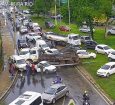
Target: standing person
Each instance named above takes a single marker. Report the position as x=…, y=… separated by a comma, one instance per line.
x=33, y=68
x=28, y=69
x=12, y=69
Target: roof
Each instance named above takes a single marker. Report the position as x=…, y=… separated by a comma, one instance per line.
x=102, y=45
x=57, y=85
x=16, y=57
x=110, y=63
x=43, y=62
x=25, y=49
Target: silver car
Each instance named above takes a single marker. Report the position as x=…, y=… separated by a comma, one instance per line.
x=54, y=92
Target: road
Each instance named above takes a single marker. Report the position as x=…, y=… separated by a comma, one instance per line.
x=75, y=82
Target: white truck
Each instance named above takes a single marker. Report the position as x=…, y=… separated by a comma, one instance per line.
x=73, y=39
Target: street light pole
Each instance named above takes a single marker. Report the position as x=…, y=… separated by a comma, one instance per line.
x=55, y=13
x=69, y=11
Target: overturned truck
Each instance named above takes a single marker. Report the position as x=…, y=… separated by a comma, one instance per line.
x=68, y=57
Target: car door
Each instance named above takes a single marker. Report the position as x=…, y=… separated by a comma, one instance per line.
x=100, y=49
x=60, y=92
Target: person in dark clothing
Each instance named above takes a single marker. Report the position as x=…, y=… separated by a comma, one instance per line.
x=33, y=68
x=28, y=69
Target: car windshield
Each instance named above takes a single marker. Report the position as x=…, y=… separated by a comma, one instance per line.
x=105, y=67
x=84, y=53
x=107, y=48
x=87, y=38
x=32, y=51
x=44, y=45
x=21, y=61
x=33, y=35
x=76, y=37
x=24, y=52
x=113, y=53
x=46, y=64
x=50, y=91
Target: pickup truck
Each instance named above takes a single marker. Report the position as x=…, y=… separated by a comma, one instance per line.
x=72, y=39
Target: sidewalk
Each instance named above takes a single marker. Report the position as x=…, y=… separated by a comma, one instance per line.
x=8, y=50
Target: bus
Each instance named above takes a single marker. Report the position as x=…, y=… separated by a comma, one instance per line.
x=28, y=98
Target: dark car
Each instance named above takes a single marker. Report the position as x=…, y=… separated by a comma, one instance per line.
x=22, y=44
x=90, y=44
x=65, y=28
x=49, y=24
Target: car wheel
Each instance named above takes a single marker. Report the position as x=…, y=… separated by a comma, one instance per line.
x=53, y=101
x=109, y=33
x=67, y=93
x=107, y=75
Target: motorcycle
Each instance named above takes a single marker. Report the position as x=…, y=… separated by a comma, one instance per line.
x=86, y=102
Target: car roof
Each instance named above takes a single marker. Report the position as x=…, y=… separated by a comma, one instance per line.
x=110, y=63
x=43, y=62
x=16, y=57
x=57, y=85
x=25, y=49
x=53, y=49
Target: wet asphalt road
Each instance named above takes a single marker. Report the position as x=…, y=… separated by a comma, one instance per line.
x=71, y=78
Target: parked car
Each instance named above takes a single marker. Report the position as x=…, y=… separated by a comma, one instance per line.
x=65, y=28
x=90, y=44
x=85, y=38
x=32, y=37
x=85, y=54
x=111, y=31
x=85, y=29
x=22, y=43
x=106, y=70
x=111, y=56
x=103, y=49
x=49, y=24
x=47, y=67
x=54, y=92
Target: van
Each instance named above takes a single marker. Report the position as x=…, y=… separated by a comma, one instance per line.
x=28, y=98
x=42, y=45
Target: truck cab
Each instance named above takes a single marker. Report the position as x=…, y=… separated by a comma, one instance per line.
x=74, y=39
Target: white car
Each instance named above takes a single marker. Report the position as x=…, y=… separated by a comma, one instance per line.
x=34, y=55
x=46, y=67
x=103, y=49
x=33, y=36
x=85, y=29
x=19, y=62
x=106, y=70
x=23, y=30
x=24, y=53
x=111, y=55
x=111, y=31
x=85, y=54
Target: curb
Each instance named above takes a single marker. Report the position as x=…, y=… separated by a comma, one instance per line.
x=7, y=90
x=95, y=85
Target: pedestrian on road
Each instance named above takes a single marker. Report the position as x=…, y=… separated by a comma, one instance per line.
x=12, y=69
x=33, y=68
x=28, y=69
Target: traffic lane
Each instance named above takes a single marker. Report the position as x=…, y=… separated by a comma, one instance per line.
x=32, y=83
x=77, y=85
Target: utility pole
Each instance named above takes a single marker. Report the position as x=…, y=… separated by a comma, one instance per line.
x=14, y=27
x=55, y=13
x=69, y=11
